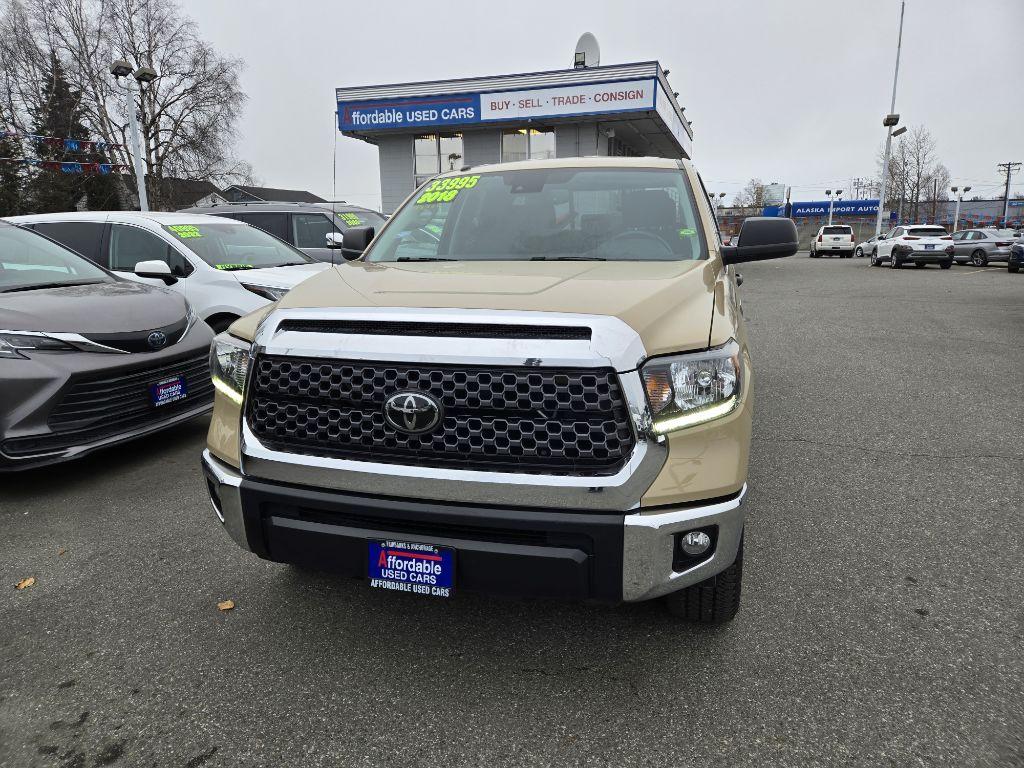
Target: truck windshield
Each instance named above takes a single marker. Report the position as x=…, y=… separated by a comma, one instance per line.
x=232, y=245
x=589, y=214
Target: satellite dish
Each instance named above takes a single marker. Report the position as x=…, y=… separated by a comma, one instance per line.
x=588, y=52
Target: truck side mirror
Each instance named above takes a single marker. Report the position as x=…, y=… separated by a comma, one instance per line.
x=334, y=239
x=355, y=241
x=156, y=269
x=763, y=237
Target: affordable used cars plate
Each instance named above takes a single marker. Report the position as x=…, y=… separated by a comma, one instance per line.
x=404, y=566
x=168, y=390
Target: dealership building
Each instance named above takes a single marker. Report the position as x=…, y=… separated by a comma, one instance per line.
x=426, y=128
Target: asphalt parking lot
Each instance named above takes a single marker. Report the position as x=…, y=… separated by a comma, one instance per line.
x=882, y=622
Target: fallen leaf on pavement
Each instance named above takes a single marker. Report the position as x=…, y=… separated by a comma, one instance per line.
x=61, y=551
x=223, y=605
x=25, y=583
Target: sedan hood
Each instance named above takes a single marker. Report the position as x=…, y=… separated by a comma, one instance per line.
x=280, y=277
x=119, y=307
x=669, y=304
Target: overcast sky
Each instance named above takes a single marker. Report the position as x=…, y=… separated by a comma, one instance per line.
x=785, y=90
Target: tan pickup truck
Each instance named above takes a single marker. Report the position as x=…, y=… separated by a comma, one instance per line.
x=533, y=380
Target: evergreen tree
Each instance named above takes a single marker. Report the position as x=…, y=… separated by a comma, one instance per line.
x=60, y=116
x=12, y=177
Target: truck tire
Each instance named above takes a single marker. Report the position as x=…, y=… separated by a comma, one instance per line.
x=712, y=601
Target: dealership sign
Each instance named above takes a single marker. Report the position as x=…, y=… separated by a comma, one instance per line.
x=460, y=109
x=820, y=208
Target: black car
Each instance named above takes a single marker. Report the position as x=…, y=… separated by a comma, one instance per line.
x=1016, y=258
x=315, y=229
x=88, y=359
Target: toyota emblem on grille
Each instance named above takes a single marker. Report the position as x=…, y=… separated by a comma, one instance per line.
x=157, y=340
x=412, y=412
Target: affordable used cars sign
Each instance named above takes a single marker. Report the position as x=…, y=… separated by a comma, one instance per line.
x=409, y=113
x=460, y=109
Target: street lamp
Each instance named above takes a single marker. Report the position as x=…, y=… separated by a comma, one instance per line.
x=121, y=70
x=959, y=196
x=890, y=120
x=838, y=196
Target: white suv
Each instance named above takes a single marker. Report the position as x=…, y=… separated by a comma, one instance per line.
x=917, y=244
x=224, y=268
x=833, y=239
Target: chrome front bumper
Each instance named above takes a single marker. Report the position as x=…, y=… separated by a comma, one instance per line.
x=648, y=537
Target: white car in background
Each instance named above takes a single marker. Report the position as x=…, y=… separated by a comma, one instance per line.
x=865, y=248
x=224, y=268
x=917, y=244
x=833, y=239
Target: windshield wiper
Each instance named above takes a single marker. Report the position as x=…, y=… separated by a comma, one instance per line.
x=568, y=258
x=38, y=286
x=422, y=258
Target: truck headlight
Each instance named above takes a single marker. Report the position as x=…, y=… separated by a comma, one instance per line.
x=229, y=364
x=686, y=390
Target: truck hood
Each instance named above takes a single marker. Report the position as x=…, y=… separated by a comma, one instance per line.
x=117, y=307
x=669, y=304
x=280, y=277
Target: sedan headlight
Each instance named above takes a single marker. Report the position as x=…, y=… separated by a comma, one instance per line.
x=686, y=390
x=266, y=291
x=229, y=364
x=14, y=343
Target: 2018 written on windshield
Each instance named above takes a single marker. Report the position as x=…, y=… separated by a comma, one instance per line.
x=446, y=190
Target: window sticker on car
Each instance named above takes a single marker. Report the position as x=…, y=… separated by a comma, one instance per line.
x=350, y=219
x=185, y=230
x=446, y=190
x=687, y=232
x=233, y=266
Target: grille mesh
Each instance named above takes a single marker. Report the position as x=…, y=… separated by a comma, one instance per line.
x=522, y=419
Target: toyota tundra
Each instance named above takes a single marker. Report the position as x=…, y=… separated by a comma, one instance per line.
x=533, y=380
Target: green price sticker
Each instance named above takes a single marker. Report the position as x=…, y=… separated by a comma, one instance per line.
x=185, y=230
x=687, y=232
x=234, y=266
x=446, y=190
x=350, y=219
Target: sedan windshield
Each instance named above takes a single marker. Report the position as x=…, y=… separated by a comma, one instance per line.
x=232, y=245
x=542, y=214
x=29, y=261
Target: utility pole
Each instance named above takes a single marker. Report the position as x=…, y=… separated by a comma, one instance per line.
x=1008, y=169
x=890, y=120
x=935, y=199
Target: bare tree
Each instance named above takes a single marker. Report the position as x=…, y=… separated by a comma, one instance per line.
x=751, y=196
x=915, y=173
x=188, y=115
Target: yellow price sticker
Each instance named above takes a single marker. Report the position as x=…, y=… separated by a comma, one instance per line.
x=185, y=230
x=447, y=189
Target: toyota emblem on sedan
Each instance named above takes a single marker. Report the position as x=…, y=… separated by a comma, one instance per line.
x=412, y=412
x=157, y=340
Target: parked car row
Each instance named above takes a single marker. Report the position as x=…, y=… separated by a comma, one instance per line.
x=106, y=317
x=922, y=244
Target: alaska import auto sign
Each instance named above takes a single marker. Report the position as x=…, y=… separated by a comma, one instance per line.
x=839, y=208
x=461, y=109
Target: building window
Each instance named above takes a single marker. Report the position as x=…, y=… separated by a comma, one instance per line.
x=437, y=153
x=527, y=144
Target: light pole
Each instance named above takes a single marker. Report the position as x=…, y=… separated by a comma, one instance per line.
x=959, y=196
x=121, y=70
x=890, y=121
x=828, y=193
x=903, y=179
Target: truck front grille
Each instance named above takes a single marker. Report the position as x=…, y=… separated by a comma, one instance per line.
x=535, y=420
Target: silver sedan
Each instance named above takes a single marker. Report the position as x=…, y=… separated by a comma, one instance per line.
x=981, y=246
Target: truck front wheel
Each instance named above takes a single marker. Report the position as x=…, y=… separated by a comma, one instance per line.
x=712, y=601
